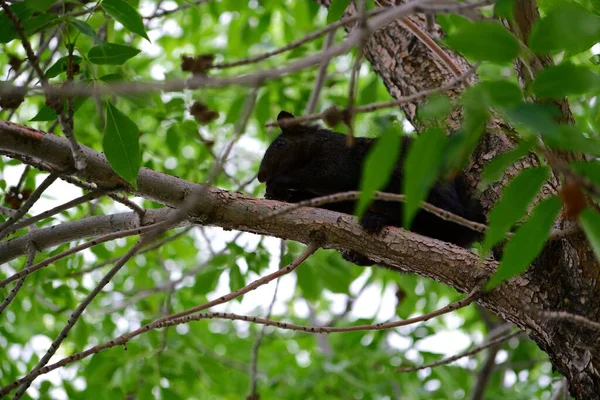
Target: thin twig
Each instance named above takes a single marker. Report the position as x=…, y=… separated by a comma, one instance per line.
x=310, y=249
x=150, y=247
x=252, y=79
x=116, y=197
x=46, y=214
x=31, y=252
x=261, y=333
x=166, y=322
x=76, y=314
x=571, y=317
x=378, y=106
x=77, y=152
x=28, y=204
x=353, y=195
x=83, y=246
x=474, y=350
x=320, y=79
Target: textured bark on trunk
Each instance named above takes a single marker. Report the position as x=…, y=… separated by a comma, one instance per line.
x=566, y=276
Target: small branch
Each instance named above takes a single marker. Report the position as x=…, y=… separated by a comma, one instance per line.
x=562, y=391
x=261, y=333
x=30, y=258
x=378, y=106
x=320, y=79
x=571, y=317
x=159, y=13
x=190, y=202
x=331, y=28
x=116, y=197
x=4, y=228
x=167, y=322
x=471, y=352
x=83, y=246
x=353, y=195
x=76, y=314
x=77, y=153
x=46, y=214
x=485, y=373
x=310, y=249
x=252, y=79
x=150, y=247
x=432, y=46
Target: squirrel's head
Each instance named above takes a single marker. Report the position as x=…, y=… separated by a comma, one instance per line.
x=288, y=151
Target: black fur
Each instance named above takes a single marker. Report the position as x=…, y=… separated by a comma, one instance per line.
x=307, y=161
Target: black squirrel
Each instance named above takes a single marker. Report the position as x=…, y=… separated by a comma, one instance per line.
x=307, y=161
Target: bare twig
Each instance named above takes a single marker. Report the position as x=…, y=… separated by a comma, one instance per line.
x=30, y=258
x=116, y=197
x=46, y=214
x=76, y=314
x=252, y=79
x=378, y=106
x=78, y=156
x=571, y=317
x=86, y=245
x=167, y=321
x=261, y=333
x=353, y=195
x=4, y=228
x=320, y=79
x=150, y=247
x=161, y=321
x=474, y=350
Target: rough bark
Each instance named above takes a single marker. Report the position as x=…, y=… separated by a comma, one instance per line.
x=565, y=276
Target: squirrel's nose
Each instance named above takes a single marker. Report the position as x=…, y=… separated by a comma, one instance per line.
x=261, y=176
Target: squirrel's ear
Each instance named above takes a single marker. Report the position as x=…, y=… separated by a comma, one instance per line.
x=284, y=115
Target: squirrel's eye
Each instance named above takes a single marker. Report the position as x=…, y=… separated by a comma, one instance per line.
x=278, y=143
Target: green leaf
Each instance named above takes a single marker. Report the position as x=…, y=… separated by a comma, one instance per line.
x=47, y=113
x=121, y=144
x=421, y=170
x=475, y=42
x=377, y=168
x=32, y=25
x=60, y=66
x=368, y=94
x=527, y=242
x=539, y=118
x=173, y=139
x=495, y=169
x=40, y=5
x=128, y=16
x=309, y=282
x=513, y=204
x=569, y=137
x=236, y=279
x=336, y=10
x=206, y=281
x=7, y=30
x=85, y=29
x=504, y=8
x=435, y=107
x=111, y=54
x=568, y=26
x=559, y=81
x=590, y=223
x=463, y=142
x=501, y=93
x=589, y=169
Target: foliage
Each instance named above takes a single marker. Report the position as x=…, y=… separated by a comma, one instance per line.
x=116, y=42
